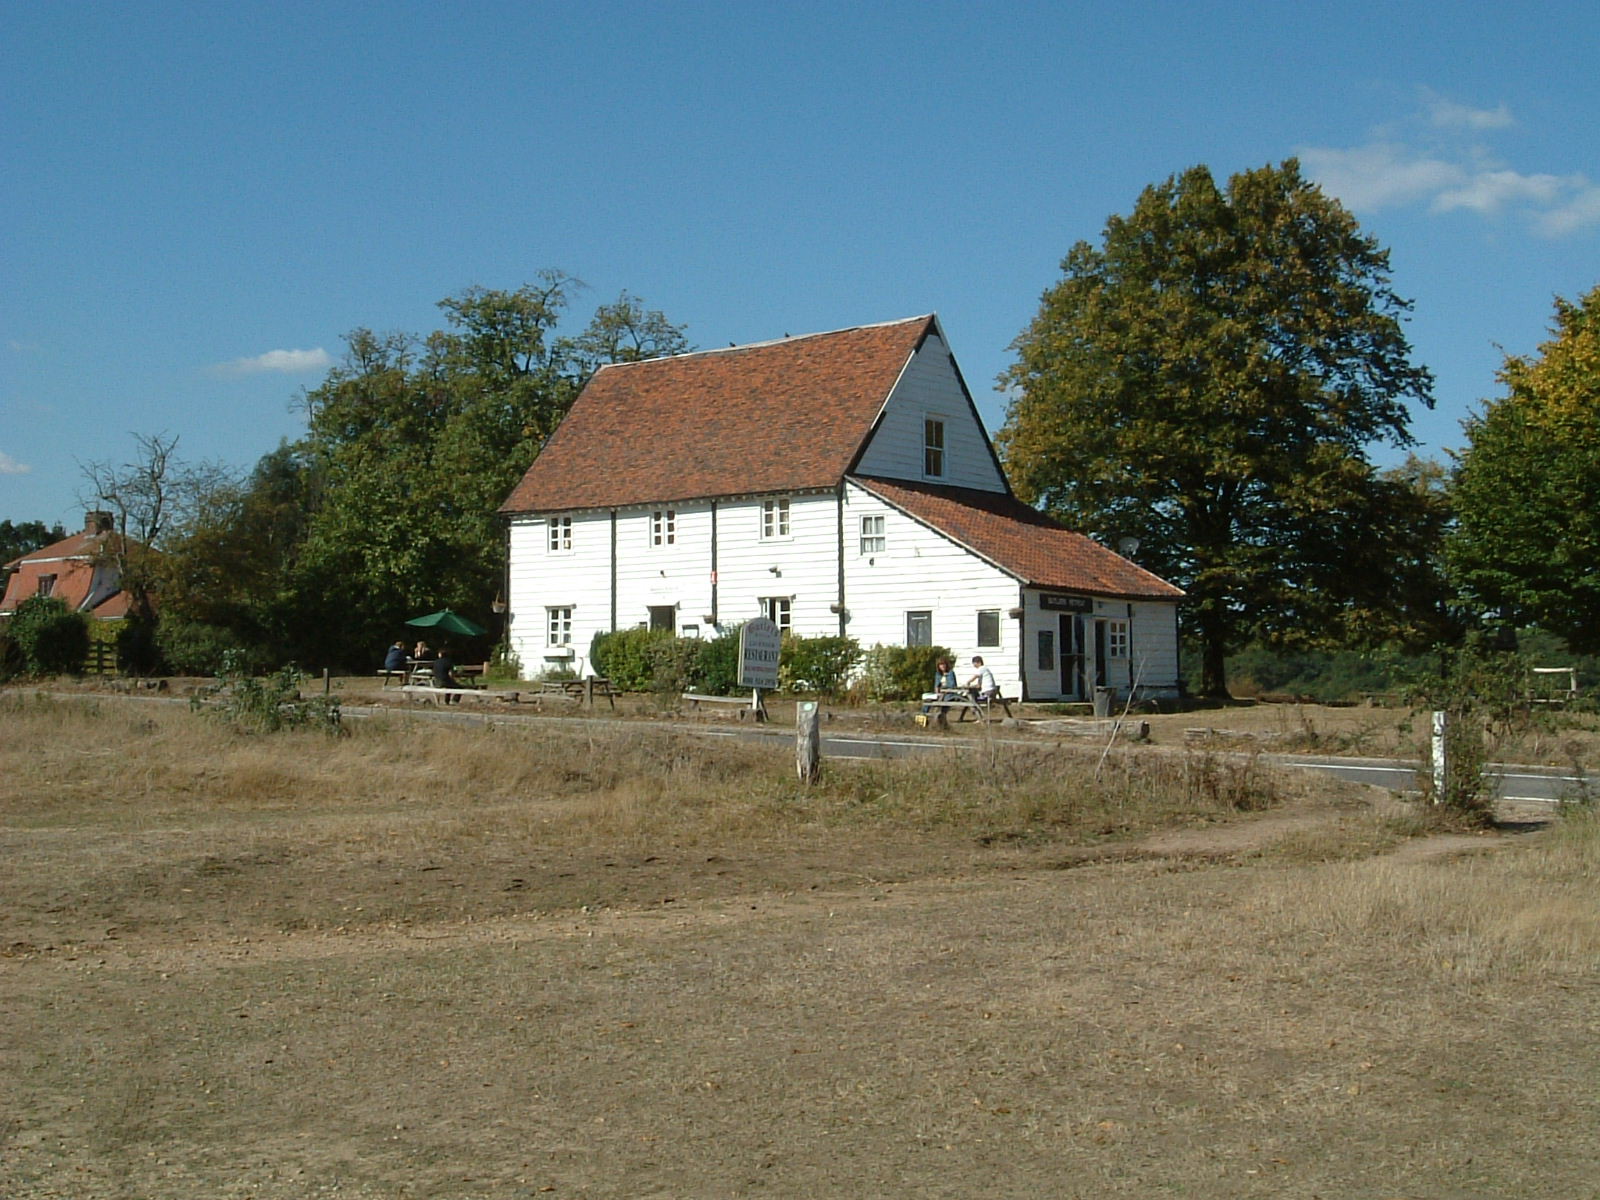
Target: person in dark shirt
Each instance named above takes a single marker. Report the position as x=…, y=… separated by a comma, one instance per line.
x=444, y=674
x=395, y=658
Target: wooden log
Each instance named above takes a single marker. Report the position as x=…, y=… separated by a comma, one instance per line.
x=807, y=742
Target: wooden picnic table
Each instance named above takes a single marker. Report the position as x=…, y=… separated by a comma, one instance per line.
x=579, y=691
x=963, y=703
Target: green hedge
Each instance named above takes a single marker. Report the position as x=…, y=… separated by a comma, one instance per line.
x=900, y=672
x=52, y=639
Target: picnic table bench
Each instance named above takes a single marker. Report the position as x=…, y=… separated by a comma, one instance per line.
x=980, y=709
x=428, y=691
x=578, y=691
x=745, y=704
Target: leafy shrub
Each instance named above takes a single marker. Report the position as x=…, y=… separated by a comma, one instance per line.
x=504, y=664
x=624, y=657
x=200, y=648
x=900, y=672
x=11, y=661
x=819, y=664
x=718, y=662
x=137, y=652
x=674, y=665
x=266, y=705
x=52, y=638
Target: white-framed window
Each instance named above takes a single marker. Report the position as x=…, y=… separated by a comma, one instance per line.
x=919, y=628
x=560, y=534
x=780, y=611
x=989, y=627
x=47, y=585
x=663, y=527
x=775, y=518
x=933, y=447
x=873, y=538
x=1116, y=639
x=559, y=625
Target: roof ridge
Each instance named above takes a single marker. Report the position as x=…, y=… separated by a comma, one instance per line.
x=786, y=340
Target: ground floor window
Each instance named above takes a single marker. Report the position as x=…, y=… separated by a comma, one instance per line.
x=919, y=628
x=780, y=611
x=559, y=628
x=1047, y=650
x=989, y=627
x=664, y=616
x=1117, y=639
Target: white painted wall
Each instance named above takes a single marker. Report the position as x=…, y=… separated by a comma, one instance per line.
x=931, y=387
x=920, y=570
x=917, y=570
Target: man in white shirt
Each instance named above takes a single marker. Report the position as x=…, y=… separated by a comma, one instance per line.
x=982, y=684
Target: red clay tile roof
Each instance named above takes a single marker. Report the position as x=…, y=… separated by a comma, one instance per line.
x=772, y=417
x=1022, y=540
x=72, y=562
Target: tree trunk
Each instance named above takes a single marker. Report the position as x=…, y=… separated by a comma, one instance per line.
x=1213, y=661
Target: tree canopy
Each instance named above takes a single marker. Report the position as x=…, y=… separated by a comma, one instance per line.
x=1526, y=545
x=1208, y=378
x=388, y=506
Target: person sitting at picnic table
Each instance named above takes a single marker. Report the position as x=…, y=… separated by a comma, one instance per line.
x=395, y=658
x=982, y=687
x=420, y=652
x=444, y=674
x=945, y=686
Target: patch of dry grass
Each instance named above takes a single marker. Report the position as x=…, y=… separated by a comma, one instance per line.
x=441, y=962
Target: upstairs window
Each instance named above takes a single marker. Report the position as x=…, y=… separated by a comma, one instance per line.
x=663, y=527
x=560, y=534
x=933, y=448
x=775, y=518
x=873, y=539
x=47, y=585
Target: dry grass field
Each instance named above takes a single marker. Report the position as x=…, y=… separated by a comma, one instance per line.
x=563, y=960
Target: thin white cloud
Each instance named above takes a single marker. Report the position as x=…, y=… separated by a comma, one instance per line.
x=1448, y=114
x=285, y=362
x=1493, y=191
x=10, y=466
x=1445, y=166
x=1380, y=175
x=1579, y=212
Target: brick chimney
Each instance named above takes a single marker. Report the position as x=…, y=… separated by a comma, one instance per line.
x=96, y=521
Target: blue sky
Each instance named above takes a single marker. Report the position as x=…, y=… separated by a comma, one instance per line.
x=199, y=200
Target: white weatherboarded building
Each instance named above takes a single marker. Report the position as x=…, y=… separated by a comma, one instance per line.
x=838, y=483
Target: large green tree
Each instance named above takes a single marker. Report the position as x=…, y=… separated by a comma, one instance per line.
x=1527, y=488
x=1209, y=378
x=416, y=443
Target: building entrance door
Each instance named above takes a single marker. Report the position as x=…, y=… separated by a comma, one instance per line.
x=1074, y=684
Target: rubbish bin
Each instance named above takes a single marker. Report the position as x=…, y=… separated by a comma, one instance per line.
x=1104, y=698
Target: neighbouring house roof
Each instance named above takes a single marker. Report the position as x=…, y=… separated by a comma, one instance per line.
x=781, y=416
x=72, y=562
x=1021, y=540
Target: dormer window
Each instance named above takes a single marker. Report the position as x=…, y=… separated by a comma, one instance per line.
x=47, y=585
x=933, y=448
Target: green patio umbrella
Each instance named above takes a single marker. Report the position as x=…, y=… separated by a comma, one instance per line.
x=449, y=622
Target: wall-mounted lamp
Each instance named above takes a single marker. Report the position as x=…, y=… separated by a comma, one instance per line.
x=1015, y=612
x=775, y=570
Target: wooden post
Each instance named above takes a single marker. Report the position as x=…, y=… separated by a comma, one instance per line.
x=755, y=704
x=807, y=742
x=1441, y=725
x=588, y=691
x=327, y=682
